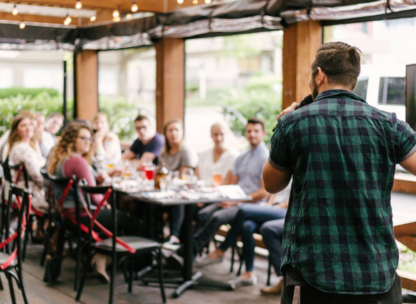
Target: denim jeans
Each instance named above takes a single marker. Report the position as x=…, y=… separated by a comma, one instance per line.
x=248, y=221
x=272, y=233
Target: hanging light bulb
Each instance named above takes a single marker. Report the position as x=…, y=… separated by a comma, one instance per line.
x=116, y=14
x=207, y=1
x=93, y=18
x=129, y=16
x=134, y=6
x=180, y=1
x=116, y=19
x=15, y=11
x=78, y=4
x=22, y=24
x=195, y=1
x=67, y=20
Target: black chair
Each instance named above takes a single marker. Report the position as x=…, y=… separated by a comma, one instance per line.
x=123, y=246
x=69, y=183
x=49, y=196
x=11, y=264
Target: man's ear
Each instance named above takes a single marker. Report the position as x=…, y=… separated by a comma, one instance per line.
x=320, y=77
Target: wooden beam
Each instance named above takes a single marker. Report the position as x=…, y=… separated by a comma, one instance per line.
x=408, y=280
x=300, y=42
x=36, y=19
x=170, y=81
x=86, y=84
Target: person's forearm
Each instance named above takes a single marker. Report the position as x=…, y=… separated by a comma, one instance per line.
x=258, y=195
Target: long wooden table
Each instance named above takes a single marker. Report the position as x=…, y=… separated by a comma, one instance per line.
x=189, y=279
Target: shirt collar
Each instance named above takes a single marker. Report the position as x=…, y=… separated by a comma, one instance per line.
x=257, y=149
x=338, y=94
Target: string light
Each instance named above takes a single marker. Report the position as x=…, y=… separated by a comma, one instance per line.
x=128, y=16
x=116, y=14
x=134, y=6
x=207, y=1
x=67, y=20
x=93, y=18
x=180, y=1
x=195, y=1
x=15, y=11
x=116, y=19
x=78, y=4
x=22, y=24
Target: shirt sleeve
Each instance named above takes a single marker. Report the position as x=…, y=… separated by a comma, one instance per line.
x=236, y=165
x=405, y=141
x=279, y=156
x=158, y=145
x=135, y=147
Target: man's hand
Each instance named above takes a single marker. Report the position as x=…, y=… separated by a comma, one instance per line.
x=287, y=110
x=226, y=205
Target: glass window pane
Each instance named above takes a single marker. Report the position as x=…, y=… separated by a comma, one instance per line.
x=361, y=88
x=396, y=87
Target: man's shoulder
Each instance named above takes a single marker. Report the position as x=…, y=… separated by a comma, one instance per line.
x=159, y=138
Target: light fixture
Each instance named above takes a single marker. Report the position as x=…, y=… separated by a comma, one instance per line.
x=116, y=14
x=116, y=19
x=128, y=16
x=180, y=1
x=67, y=20
x=195, y=1
x=93, y=18
x=134, y=6
x=207, y=1
x=22, y=24
x=15, y=11
x=78, y=4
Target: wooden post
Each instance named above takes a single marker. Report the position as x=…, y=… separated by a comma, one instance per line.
x=170, y=81
x=300, y=42
x=86, y=82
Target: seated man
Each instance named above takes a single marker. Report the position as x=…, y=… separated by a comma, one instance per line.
x=247, y=174
x=147, y=146
x=45, y=139
x=54, y=123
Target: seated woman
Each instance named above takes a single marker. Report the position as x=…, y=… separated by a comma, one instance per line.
x=218, y=162
x=23, y=148
x=176, y=156
x=106, y=144
x=249, y=220
x=72, y=156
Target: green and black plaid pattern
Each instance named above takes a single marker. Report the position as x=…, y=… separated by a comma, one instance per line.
x=342, y=153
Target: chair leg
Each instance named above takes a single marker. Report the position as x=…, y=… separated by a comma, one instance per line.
x=77, y=265
x=269, y=273
x=130, y=288
x=232, y=258
x=240, y=254
x=12, y=295
x=113, y=276
x=19, y=281
x=1, y=285
x=26, y=237
x=160, y=266
x=84, y=275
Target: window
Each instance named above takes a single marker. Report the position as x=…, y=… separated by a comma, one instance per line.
x=391, y=91
x=43, y=77
x=361, y=88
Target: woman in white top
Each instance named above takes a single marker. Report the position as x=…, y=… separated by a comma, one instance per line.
x=106, y=144
x=218, y=160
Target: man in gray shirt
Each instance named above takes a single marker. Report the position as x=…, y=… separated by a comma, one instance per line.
x=247, y=174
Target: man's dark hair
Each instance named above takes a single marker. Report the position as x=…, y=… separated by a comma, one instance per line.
x=255, y=121
x=56, y=114
x=141, y=117
x=340, y=62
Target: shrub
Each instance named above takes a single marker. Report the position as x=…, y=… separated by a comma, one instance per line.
x=26, y=92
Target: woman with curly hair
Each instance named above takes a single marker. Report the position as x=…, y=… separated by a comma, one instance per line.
x=73, y=156
x=24, y=149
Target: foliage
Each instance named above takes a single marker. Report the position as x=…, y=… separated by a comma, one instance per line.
x=407, y=261
x=121, y=115
x=241, y=46
x=44, y=103
x=26, y=92
x=191, y=87
x=263, y=103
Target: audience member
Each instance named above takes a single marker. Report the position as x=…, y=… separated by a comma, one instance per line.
x=23, y=148
x=176, y=156
x=147, y=146
x=45, y=139
x=54, y=123
x=106, y=144
x=247, y=174
x=73, y=156
x=217, y=162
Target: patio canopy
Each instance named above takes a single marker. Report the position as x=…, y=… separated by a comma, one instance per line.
x=223, y=18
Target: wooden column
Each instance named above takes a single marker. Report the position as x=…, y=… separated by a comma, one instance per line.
x=170, y=81
x=300, y=42
x=86, y=82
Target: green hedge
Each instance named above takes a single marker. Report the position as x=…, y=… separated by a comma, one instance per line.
x=27, y=92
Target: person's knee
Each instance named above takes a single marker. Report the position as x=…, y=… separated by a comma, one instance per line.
x=249, y=227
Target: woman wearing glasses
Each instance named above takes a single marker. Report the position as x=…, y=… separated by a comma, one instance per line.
x=73, y=156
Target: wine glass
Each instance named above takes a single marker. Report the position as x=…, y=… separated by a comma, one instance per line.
x=187, y=174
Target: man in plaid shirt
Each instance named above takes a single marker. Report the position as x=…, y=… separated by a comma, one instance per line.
x=338, y=242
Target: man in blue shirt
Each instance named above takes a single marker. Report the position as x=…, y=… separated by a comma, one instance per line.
x=247, y=174
x=148, y=145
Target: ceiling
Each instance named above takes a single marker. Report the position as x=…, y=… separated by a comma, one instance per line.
x=55, y=11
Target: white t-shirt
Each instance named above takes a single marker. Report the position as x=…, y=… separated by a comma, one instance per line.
x=223, y=165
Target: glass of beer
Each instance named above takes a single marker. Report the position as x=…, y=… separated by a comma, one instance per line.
x=216, y=179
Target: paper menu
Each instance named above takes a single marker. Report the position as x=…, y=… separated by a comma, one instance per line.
x=232, y=192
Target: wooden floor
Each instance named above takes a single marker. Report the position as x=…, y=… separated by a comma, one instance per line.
x=94, y=292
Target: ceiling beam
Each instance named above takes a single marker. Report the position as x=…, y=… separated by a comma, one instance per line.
x=37, y=19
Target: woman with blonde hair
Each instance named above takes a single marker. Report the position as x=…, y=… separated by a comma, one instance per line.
x=106, y=144
x=176, y=156
x=73, y=156
x=24, y=149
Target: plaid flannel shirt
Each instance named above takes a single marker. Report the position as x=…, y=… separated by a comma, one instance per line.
x=342, y=153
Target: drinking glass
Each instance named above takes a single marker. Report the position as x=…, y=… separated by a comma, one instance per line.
x=150, y=172
x=216, y=179
x=187, y=174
